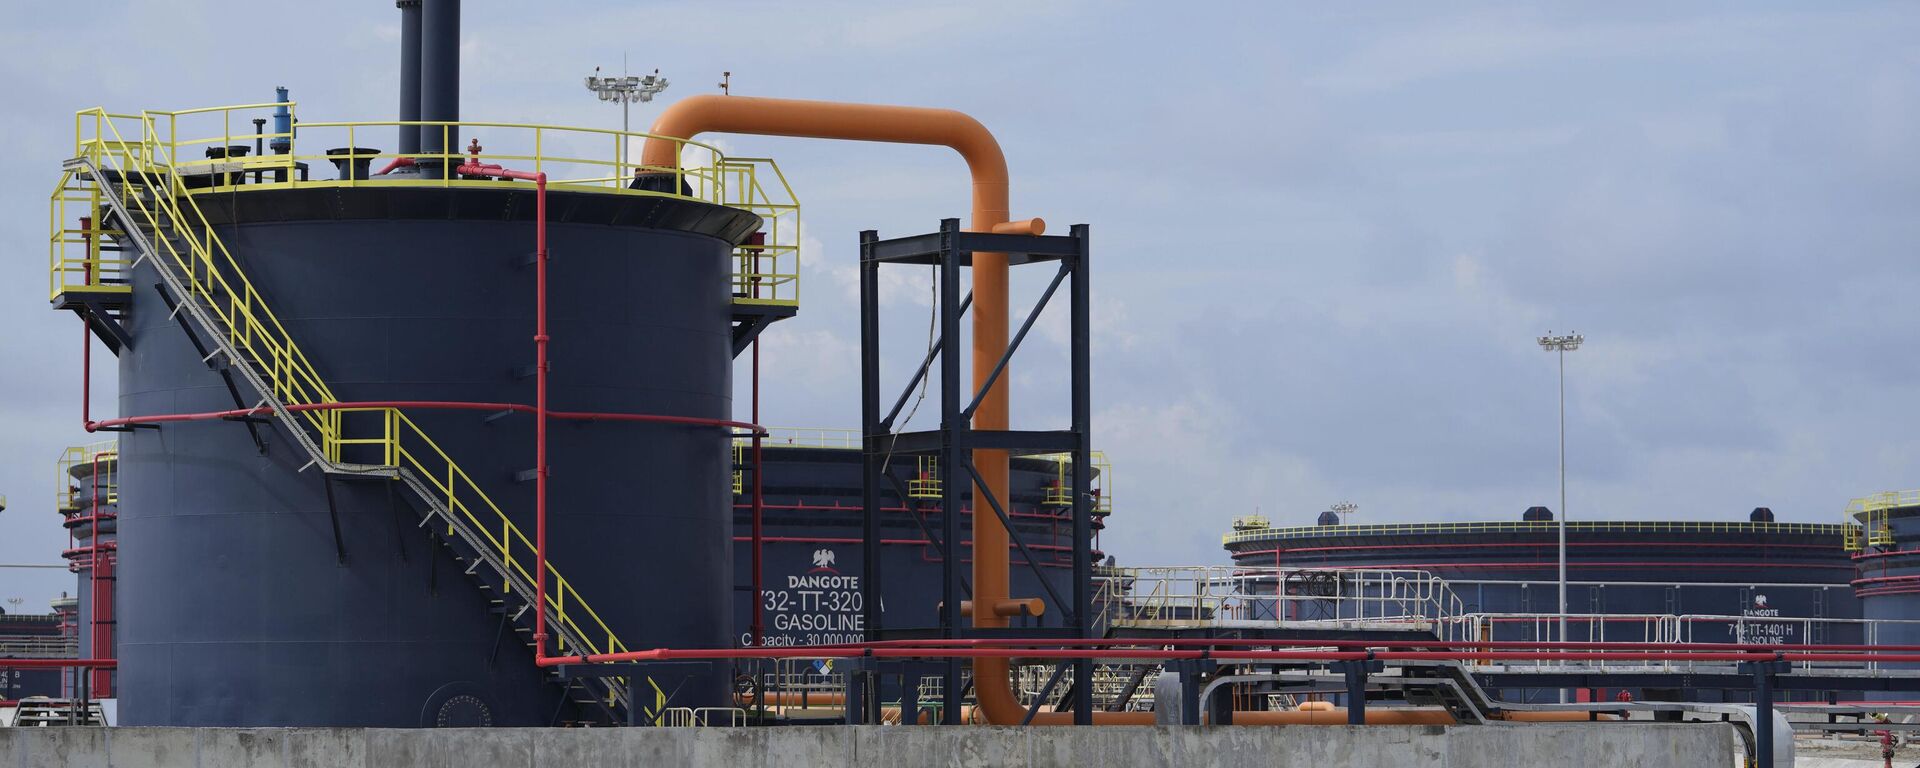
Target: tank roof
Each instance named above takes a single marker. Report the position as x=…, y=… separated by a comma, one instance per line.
x=1532, y=527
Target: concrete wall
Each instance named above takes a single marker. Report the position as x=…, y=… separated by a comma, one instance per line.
x=1641, y=745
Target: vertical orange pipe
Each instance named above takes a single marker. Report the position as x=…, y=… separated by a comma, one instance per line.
x=693, y=116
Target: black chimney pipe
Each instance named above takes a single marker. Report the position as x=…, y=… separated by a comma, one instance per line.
x=409, y=141
x=439, y=82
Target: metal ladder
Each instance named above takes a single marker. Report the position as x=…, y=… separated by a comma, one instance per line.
x=157, y=230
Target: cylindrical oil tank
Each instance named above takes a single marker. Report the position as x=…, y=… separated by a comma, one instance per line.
x=92, y=500
x=261, y=594
x=1752, y=581
x=811, y=556
x=1887, y=579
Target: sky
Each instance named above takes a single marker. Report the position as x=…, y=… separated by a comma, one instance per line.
x=1324, y=237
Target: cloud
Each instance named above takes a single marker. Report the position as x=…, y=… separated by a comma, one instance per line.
x=1324, y=239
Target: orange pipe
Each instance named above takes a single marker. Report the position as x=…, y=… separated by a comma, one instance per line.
x=695, y=115
x=1028, y=606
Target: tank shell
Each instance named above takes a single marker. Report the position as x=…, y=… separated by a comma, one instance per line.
x=812, y=567
x=239, y=610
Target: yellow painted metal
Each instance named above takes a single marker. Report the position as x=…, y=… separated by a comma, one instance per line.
x=1060, y=490
x=926, y=479
x=766, y=273
x=1868, y=521
x=183, y=235
x=805, y=437
x=1528, y=526
x=739, y=474
x=68, y=496
x=76, y=262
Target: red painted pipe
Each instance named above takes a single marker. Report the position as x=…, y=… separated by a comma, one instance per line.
x=398, y=162
x=759, y=507
x=474, y=167
x=425, y=405
x=59, y=663
x=1485, y=645
x=665, y=654
x=96, y=562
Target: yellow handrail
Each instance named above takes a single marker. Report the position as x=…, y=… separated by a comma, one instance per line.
x=68, y=495
x=1868, y=521
x=1060, y=491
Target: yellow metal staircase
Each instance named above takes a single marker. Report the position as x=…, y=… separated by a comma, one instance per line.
x=140, y=202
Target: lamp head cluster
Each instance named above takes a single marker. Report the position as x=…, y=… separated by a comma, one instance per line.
x=1565, y=343
x=626, y=89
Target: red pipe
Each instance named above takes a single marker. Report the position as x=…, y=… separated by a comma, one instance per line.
x=96, y=561
x=759, y=505
x=425, y=404
x=59, y=663
x=398, y=162
x=473, y=167
x=665, y=654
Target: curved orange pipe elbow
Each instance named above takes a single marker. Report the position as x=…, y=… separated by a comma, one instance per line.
x=695, y=115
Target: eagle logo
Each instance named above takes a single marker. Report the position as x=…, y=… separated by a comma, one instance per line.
x=823, y=558
x=1759, y=601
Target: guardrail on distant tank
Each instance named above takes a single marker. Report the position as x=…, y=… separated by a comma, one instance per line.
x=1223, y=596
x=1529, y=526
x=1868, y=520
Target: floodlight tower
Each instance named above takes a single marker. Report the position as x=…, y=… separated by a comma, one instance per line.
x=1562, y=345
x=626, y=90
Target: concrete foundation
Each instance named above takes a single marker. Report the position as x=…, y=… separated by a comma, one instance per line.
x=1642, y=745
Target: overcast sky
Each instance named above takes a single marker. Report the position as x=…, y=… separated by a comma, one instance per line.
x=1324, y=240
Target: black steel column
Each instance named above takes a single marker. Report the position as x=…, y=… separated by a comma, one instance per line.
x=871, y=442
x=409, y=135
x=439, y=82
x=1082, y=477
x=952, y=423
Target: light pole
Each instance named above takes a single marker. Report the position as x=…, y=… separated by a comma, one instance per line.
x=626, y=90
x=1562, y=345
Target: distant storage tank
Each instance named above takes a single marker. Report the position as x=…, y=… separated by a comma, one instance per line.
x=1884, y=539
x=812, y=556
x=89, y=500
x=1756, y=582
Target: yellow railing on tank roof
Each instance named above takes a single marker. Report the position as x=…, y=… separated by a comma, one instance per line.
x=1529, y=526
x=1060, y=490
x=68, y=496
x=765, y=270
x=1868, y=521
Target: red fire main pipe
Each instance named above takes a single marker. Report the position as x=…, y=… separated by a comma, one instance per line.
x=666, y=654
x=473, y=167
x=95, y=562
x=759, y=506
x=59, y=663
x=167, y=418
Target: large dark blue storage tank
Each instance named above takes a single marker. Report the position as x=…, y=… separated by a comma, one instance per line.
x=238, y=608
x=812, y=563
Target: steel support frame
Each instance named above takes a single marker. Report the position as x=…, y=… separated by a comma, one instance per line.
x=949, y=251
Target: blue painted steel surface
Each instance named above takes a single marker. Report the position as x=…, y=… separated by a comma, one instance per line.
x=812, y=585
x=236, y=611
